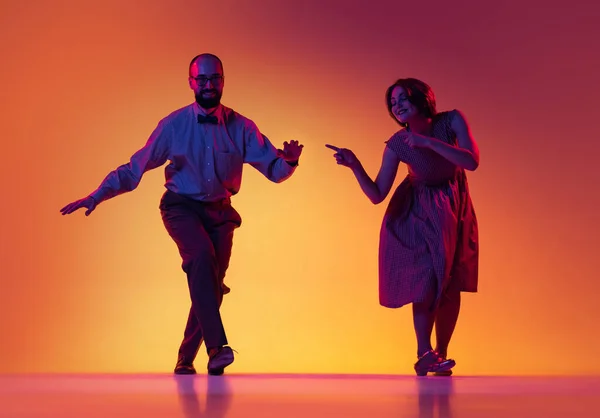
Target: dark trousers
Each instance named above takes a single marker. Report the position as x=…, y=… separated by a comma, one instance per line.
x=203, y=233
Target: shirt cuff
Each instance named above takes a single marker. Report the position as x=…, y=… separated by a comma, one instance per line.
x=98, y=195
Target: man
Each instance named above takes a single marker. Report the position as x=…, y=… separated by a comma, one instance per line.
x=206, y=144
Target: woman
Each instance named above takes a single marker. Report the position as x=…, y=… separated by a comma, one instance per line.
x=429, y=249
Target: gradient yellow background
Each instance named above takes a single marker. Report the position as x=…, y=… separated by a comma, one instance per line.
x=85, y=82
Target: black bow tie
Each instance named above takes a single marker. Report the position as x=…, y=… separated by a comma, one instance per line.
x=208, y=119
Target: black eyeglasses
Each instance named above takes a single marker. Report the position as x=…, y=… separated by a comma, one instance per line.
x=214, y=79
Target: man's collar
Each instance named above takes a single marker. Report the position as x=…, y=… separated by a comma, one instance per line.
x=218, y=112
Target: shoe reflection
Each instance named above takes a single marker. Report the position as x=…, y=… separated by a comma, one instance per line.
x=204, y=396
x=435, y=393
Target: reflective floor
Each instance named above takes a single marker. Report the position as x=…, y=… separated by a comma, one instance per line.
x=235, y=396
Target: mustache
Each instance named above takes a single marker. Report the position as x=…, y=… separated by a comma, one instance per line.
x=208, y=91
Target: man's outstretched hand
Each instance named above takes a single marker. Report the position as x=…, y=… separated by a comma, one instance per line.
x=87, y=202
x=291, y=151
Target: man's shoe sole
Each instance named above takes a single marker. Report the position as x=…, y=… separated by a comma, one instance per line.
x=184, y=370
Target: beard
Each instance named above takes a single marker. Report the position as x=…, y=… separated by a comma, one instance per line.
x=208, y=102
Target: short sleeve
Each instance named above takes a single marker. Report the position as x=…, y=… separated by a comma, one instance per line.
x=397, y=144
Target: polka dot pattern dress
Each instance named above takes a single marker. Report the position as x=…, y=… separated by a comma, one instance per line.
x=429, y=235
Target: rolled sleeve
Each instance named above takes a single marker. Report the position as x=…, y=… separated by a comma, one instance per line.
x=262, y=155
x=127, y=177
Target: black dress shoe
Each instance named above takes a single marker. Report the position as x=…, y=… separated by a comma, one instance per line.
x=184, y=366
x=218, y=359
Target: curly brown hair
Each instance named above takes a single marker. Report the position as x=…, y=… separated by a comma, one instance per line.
x=418, y=93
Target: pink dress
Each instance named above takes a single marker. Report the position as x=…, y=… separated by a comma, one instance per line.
x=429, y=235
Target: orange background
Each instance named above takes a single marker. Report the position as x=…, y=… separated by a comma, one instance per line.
x=84, y=83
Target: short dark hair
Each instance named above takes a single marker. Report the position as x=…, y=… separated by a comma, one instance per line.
x=204, y=55
x=418, y=93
